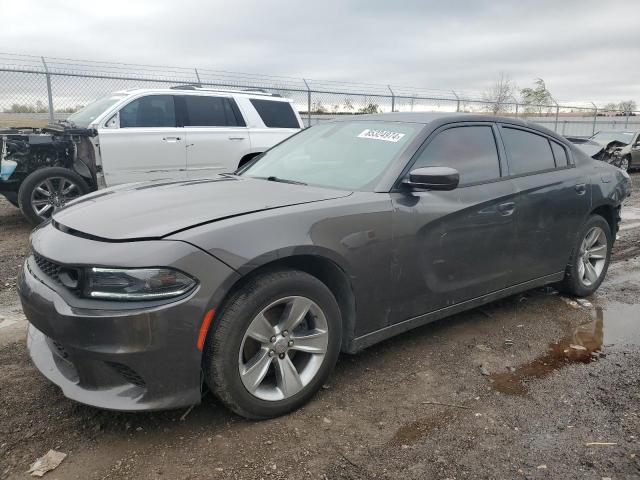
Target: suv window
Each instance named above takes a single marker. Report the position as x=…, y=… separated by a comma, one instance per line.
x=276, y=114
x=150, y=111
x=560, y=154
x=527, y=152
x=470, y=150
x=212, y=112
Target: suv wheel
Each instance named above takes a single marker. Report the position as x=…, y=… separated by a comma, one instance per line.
x=47, y=190
x=275, y=343
x=590, y=258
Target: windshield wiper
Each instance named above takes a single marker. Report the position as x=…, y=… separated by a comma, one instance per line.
x=284, y=180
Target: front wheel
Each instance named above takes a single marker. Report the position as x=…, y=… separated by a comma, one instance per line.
x=590, y=258
x=47, y=190
x=275, y=343
x=625, y=163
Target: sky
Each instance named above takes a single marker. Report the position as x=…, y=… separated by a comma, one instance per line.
x=584, y=50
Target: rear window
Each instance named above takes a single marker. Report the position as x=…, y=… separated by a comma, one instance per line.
x=276, y=114
x=560, y=154
x=211, y=112
x=527, y=152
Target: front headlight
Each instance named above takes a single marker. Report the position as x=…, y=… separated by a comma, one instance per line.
x=135, y=283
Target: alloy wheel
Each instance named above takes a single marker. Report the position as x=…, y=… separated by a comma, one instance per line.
x=624, y=164
x=592, y=256
x=283, y=348
x=52, y=194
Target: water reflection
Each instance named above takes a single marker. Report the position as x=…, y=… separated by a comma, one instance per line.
x=618, y=325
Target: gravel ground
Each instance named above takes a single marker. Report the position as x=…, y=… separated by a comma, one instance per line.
x=556, y=377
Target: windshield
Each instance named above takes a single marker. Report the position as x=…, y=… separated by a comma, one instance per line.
x=606, y=137
x=82, y=118
x=346, y=155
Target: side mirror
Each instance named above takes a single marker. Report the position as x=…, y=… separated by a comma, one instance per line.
x=433, y=178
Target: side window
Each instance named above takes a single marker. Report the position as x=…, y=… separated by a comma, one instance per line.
x=470, y=150
x=560, y=154
x=150, y=111
x=211, y=112
x=276, y=114
x=527, y=152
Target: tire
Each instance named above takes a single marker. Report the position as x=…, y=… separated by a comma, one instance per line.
x=625, y=163
x=576, y=281
x=229, y=349
x=56, y=181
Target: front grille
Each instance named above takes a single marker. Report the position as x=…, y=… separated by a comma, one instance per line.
x=129, y=374
x=49, y=268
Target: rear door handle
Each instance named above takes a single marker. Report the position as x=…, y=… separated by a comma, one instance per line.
x=237, y=138
x=581, y=188
x=170, y=139
x=506, y=208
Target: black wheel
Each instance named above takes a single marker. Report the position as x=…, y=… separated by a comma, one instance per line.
x=625, y=163
x=47, y=190
x=590, y=258
x=274, y=344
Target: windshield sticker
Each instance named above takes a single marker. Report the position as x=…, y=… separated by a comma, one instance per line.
x=381, y=135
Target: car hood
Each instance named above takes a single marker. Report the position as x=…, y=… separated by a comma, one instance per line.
x=155, y=210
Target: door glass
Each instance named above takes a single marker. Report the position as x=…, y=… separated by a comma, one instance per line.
x=210, y=112
x=151, y=111
x=527, y=152
x=560, y=154
x=470, y=150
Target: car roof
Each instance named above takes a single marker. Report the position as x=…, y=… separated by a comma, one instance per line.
x=182, y=90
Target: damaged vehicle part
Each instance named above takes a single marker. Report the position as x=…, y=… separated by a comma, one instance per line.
x=618, y=148
x=179, y=133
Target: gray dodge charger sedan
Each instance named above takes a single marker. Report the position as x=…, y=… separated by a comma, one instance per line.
x=341, y=236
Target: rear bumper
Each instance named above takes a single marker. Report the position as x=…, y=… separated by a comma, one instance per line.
x=120, y=359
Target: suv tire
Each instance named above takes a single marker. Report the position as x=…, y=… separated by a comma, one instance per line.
x=47, y=190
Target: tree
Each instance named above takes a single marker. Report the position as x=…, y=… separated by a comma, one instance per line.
x=370, y=108
x=627, y=107
x=536, y=99
x=499, y=94
x=348, y=104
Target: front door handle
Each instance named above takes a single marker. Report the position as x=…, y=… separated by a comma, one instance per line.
x=170, y=139
x=236, y=138
x=581, y=188
x=506, y=209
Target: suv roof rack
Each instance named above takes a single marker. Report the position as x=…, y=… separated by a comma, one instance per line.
x=253, y=91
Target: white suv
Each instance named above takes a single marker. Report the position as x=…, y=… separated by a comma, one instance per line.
x=184, y=132
x=177, y=133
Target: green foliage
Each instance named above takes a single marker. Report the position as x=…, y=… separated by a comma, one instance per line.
x=537, y=99
x=370, y=108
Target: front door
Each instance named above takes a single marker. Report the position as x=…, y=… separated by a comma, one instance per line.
x=146, y=143
x=452, y=246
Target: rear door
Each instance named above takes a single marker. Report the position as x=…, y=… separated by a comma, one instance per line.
x=271, y=121
x=217, y=137
x=142, y=142
x=553, y=201
x=452, y=246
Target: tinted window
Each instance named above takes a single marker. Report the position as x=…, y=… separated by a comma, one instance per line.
x=211, y=112
x=470, y=150
x=276, y=114
x=151, y=111
x=560, y=154
x=527, y=152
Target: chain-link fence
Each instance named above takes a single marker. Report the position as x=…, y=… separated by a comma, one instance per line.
x=36, y=90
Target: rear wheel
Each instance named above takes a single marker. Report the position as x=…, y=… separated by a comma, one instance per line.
x=275, y=343
x=47, y=190
x=590, y=258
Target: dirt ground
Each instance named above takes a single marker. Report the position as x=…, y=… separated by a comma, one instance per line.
x=533, y=386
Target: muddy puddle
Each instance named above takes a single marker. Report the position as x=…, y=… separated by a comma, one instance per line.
x=616, y=326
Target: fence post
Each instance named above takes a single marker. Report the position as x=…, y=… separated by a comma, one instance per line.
x=555, y=125
x=457, y=100
x=595, y=116
x=393, y=99
x=49, y=92
x=198, y=76
x=308, y=103
x=626, y=120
